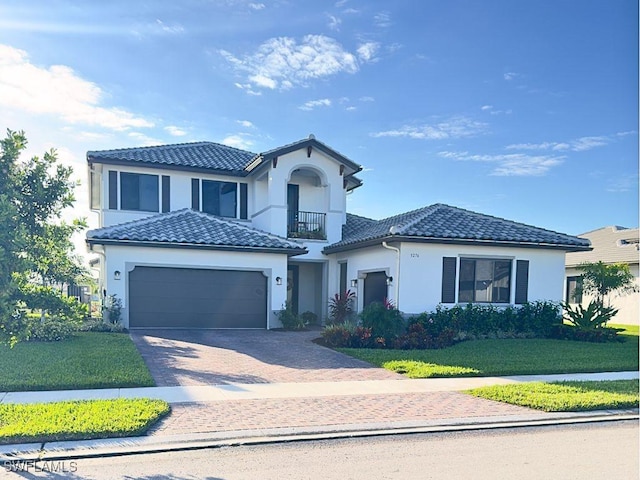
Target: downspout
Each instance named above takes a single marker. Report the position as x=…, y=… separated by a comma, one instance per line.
x=397, y=279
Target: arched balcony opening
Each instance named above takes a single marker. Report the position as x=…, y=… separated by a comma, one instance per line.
x=307, y=204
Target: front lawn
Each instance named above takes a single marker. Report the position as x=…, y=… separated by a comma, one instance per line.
x=86, y=360
x=81, y=420
x=506, y=357
x=565, y=396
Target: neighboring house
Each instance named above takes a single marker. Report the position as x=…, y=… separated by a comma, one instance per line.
x=610, y=245
x=206, y=235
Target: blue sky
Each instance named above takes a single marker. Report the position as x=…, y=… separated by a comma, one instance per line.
x=525, y=109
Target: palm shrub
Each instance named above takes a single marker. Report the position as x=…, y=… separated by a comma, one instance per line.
x=596, y=315
x=341, y=307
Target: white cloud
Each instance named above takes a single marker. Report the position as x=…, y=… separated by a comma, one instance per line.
x=144, y=140
x=623, y=184
x=340, y=3
x=284, y=63
x=58, y=91
x=581, y=144
x=486, y=107
x=334, y=22
x=382, y=19
x=510, y=76
x=246, y=123
x=237, y=141
x=367, y=99
x=511, y=165
x=367, y=51
x=454, y=127
x=311, y=104
x=257, y=6
x=175, y=131
x=351, y=108
x=170, y=29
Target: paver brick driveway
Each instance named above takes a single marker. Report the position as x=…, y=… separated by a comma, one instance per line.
x=214, y=357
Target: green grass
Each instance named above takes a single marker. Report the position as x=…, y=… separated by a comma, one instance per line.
x=86, y=360
x=506, y=357
x=81, y=420
x=565, y=396
x=628, y=329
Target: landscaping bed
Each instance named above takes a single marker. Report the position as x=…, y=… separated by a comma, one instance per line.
x=85, y=360
x=506, y=357
x=565, y=396
x=78, y=420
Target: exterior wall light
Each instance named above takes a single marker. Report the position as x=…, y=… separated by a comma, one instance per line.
x=278, y=280
x=389, y=280
x=354, y=282
x=116, y=275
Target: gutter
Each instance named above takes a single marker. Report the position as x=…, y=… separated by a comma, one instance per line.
x=455, y=241
x=228, y=248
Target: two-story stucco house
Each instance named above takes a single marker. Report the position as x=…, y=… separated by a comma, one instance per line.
x=209, y=236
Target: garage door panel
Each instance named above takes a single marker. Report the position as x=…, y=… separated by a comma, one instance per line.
x=196, y=298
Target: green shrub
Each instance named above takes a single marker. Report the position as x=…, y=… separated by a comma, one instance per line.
x=309, y=318
x=338, y=335
x=384, y=320
x=99, y=325
x=113, y=309
x=50, y=330
x=596, y=315
x=419, y=338
x=595, y=335
x=289, y=319
x=39, y=297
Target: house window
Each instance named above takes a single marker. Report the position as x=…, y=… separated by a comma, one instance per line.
x=96, y=190
x=572, y=296
x=219, y=198
x=484, y=281
x=138, y=192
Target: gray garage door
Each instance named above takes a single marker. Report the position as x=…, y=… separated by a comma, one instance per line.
x=196, y=298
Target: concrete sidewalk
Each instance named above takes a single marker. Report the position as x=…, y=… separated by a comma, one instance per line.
x=239, y=414
x=255, y=391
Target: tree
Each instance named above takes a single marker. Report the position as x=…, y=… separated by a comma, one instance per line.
x=602, y=280
x=35, y=244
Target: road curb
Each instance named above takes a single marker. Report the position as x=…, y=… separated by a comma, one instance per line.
x=73, y=450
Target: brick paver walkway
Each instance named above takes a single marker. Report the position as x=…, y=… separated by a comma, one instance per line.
x=209, y=417
x=215, y=357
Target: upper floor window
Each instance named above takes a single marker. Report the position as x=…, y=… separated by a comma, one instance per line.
x=219, y=198
x=138, y=192
x=484, y=280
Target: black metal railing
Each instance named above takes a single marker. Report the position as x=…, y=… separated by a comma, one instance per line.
x=310, y=225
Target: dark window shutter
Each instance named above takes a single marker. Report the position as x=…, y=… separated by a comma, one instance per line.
x=195, y=194
x=522, y=281
x=166, y=193
x=243, y=201
x=449, y=279
x=113, y=190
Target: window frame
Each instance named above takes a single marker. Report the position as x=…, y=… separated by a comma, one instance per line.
x=577, y=280
x=126, y=205
x=491, y=281
x=241, y=200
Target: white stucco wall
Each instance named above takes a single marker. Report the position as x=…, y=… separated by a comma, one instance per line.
x=125, y=259
x=628, y=305
x=417, y=287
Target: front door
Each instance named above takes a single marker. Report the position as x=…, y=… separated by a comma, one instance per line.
x=375, y=288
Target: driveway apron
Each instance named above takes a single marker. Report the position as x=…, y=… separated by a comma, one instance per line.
x=216, y=357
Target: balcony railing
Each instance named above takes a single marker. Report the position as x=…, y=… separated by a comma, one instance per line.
x=310, y=225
